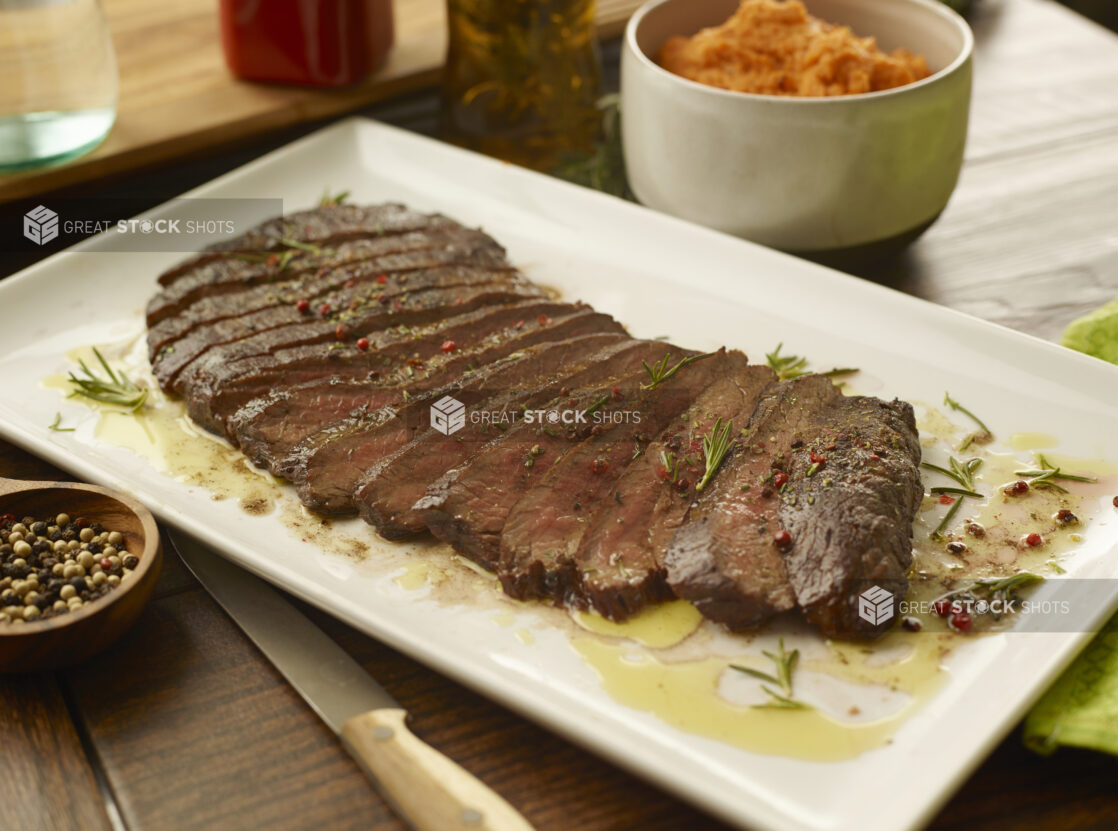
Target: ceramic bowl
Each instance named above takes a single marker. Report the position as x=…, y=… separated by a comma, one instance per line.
x=800, y=174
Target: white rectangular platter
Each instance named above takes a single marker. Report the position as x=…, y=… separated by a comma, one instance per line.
x=659, y=276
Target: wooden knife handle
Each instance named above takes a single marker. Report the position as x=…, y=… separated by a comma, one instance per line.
x=425, y=787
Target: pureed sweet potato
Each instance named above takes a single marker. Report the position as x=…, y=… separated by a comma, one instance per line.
x=772, y=47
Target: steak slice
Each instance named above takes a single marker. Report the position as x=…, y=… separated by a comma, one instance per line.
x=621, y=558
x=324, y=225
x=396, y=483
x=725, y=558
x=262, y=332
x=546, y=526
x=313, y=386
x=327, y=467
x=467, y=507
x=854, y=488
x=174, y=312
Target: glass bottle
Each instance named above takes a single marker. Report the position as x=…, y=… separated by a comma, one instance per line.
x=59, y=89
x=522, y=78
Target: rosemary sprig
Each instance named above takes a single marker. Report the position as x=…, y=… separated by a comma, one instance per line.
x=957, y=491
x=116, y=389
x=715, y=447
x=597, y=405
x=1047, y=474
x=788, y=367
x=57, y=425
x=301, y=246
x=993, y=587
x=1047, y=465
x=1043, y=479
x=955, y=405
x=780, y=702
x=671, y=465
x=983, y=434
x=659, y=372
x=946, y=521
x=961, y=472
x=785, y=663
x=337, y=199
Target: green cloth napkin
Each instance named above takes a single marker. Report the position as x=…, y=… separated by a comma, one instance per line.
x=1081, y=709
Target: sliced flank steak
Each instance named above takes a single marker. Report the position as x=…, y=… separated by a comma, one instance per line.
x=322, y=226
x=262, y=332
x=326, y=467
x=319, y=343
x=727, y=557
x=545, y=528
x=391, y=487
x=467, y=507
x=621, y=558
x=266, y=400
x=255, y=286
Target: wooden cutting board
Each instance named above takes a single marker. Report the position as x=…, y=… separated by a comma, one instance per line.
x=177, y=98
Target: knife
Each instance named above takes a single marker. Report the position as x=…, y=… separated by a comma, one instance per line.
x=425, y=788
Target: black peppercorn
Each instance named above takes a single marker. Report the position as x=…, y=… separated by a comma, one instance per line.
x=38, y=528
x=131, y=561
x=9, y=598
x=78, y=583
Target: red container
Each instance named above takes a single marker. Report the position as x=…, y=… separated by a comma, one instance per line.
x=321, y=43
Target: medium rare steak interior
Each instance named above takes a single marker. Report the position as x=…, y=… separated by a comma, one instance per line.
x=395, y=364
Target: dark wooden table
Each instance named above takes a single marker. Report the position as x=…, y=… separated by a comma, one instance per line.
x=183, y=725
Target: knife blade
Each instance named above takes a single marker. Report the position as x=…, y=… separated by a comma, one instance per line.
x=428, y=790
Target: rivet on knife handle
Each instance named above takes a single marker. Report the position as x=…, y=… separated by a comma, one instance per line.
x=428, y=789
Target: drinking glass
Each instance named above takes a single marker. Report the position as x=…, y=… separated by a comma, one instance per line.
x=58, y=81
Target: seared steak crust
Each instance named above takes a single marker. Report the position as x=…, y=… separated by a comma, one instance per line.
x=854, y=487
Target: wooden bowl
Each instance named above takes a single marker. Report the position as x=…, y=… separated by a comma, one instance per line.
x=75, y=636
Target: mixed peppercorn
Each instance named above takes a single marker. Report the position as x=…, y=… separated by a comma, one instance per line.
x=56, y=565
